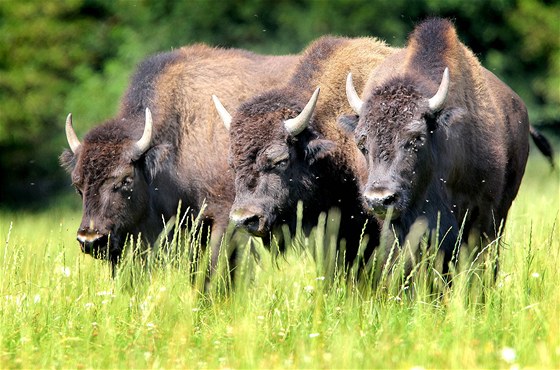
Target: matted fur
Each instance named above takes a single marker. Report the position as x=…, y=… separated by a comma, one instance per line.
x=320, y=166
x=187, y=159
x=465, y=160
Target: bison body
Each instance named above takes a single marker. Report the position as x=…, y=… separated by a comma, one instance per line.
x=166, y=145
x=443, y=137
x=286, y=146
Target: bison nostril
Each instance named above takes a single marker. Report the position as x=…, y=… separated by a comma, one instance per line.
x=251, y=220
x=251, y=223
x=85, y=245
x=389, y=200
x=92, y=243
x=380, y=197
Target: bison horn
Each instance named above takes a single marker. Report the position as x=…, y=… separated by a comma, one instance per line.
x=71, y=135
x=144, y=143
x=296, y=125
x=436, y=102
x=222, y=111
x=352, y=96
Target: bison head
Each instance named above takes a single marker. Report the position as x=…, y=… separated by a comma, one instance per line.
x=273, y=153
x=108, y=170
x=396, y=130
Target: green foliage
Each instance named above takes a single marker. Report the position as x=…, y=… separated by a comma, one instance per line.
x=539, y=30
x=41, y=45
x=77, y=56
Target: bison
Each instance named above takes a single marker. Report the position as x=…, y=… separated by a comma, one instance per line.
x=443, y=138
x=285, y=146
x=165, y=146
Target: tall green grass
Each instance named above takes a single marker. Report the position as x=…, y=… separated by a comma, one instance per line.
x=59, y=308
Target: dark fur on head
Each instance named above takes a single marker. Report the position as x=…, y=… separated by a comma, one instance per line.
x=319, y=166
x=465, y=159
x=127, y=194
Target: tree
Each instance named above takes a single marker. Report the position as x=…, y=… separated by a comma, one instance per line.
x=77, y=55
x=41, y=45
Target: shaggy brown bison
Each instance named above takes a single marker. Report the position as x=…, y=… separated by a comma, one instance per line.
x=166, y=145
x=285, y=146
x=441, y=135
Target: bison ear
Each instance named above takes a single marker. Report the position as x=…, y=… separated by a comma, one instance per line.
x=155, y=159
x=348, y=122
x=67, y=160
x=449, y=116
x=318, y=149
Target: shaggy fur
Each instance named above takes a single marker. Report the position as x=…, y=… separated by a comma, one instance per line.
x=321, y=165
x=187, y=159
x=465, y=161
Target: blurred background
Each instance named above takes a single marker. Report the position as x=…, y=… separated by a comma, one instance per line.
x=76, y=56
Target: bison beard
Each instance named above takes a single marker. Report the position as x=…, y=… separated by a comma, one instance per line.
x=448, y=156
x=278, y=165
x=279, y=158
x=165, y=147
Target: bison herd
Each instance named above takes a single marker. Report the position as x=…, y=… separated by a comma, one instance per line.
x=420, y=135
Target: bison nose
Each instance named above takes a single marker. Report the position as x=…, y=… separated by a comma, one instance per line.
x=380, y=200
x=91, y=241
x=250, y=221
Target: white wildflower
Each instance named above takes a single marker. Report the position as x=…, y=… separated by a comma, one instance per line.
x=313, y=335
x=63, y=271
x=24, y=340
x=508, y=354
x=105, y=293
x=20, y=298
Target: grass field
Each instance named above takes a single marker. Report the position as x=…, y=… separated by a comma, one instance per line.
x=61, y=309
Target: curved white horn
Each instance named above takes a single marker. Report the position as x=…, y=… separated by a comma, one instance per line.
x=144, y=143
x=296, y=125
x=73, y=140
x=222, y=111
x=352, y=96
x=436, y=102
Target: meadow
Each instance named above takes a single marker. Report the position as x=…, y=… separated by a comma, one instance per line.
x=62, y=309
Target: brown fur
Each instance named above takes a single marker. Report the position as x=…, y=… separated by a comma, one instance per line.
x=323, y=163
x=476, y=147
x=187, y=160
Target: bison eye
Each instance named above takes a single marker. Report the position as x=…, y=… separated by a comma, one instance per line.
x=125, y=184
x=363, y=149
x=415, y=143
x=362, y=145
x=280, y=162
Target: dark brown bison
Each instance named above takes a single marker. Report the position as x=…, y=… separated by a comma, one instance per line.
x=285, y=146
x=166, y=145
x=441, y=135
